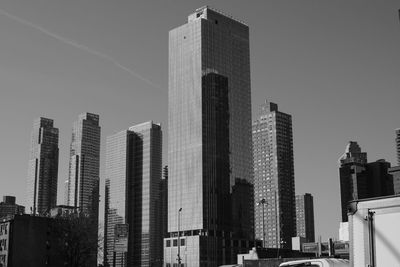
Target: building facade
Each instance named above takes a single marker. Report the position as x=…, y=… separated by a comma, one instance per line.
x=42, y=178
x=209, y=130
x=82, y=186
x=29, y=241
x=395, y=173
x=352, y=175
x=9, y=207
x=305, y=217
x=274, y=177
x=360, y=179
x=133, y=177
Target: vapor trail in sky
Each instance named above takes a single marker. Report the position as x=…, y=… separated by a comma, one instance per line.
x=79, y=46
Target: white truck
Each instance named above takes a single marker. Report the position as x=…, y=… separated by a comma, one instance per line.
x=328, y=262
x=374, y=232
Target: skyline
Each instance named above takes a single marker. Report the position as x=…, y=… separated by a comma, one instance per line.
x=39, y=69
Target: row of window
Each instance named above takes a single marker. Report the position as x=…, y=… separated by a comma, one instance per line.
x=175, y=242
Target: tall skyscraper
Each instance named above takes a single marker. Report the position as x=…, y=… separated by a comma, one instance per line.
x=305, y=217
x=274, y=177
x=359, y=179
x=209, y=130
x=133, y=177
x=43, y=167
x=82, y=186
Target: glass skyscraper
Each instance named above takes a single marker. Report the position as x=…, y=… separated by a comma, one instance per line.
x=82, y=186
x=43, y=167
x=133, y=197
x=209, y=140
x=274, y=177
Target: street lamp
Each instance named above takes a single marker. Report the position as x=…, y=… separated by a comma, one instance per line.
x=263, y=202
x=179, y=237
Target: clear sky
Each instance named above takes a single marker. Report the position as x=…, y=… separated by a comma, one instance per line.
x=333, y=65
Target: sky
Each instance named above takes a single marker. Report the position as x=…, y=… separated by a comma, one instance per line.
x=332, y=65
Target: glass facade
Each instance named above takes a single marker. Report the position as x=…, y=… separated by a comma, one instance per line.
x=274, y=177
x=82, y=186
x=133, y=195
x=43, y=167
x=209, y=129
x=119, y=172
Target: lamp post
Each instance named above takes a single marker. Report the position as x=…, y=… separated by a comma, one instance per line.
x=262, y=202
x=179, y=237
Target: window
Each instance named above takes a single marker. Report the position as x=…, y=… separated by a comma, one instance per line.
x=168, y=243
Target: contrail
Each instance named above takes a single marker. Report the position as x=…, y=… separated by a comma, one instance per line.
x=79, y=46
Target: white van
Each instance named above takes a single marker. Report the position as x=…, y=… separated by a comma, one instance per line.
x=329, y=262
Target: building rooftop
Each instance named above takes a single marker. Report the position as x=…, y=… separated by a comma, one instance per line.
x=203, y=8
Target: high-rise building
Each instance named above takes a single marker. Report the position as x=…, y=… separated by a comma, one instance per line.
x=379, y=180
x=352, y=175
x=305, y=217
x=133, y=177
x=82, y=186
x=359, y=179
x=209, y=145
x=9, y=207
x=43, y=167
x=398, y=145
x=274, y=177
x=395, y=172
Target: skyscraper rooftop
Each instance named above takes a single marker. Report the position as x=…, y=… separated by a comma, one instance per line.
x=353, y=154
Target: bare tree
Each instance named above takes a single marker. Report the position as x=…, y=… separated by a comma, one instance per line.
x=77, y=234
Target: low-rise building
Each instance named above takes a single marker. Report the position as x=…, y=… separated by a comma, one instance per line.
x=28, y=241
